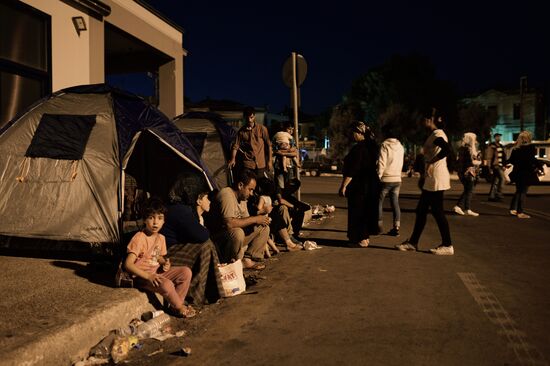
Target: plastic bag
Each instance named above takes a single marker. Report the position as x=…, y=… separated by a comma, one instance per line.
x=232, y=278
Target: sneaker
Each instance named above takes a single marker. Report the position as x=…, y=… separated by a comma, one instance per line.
x=471, y=213
x=394, y=232
x=294, y=240
x=458, y=210
x=406, y=247
x=521, y=215
x=513, y=212
x=443, y=250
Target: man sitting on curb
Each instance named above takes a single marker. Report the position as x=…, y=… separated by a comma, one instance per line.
x=239, y=235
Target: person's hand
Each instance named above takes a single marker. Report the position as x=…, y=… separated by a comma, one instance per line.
x=231, y=163
x=342, y=191
x=167, y=265
x=263, y=220
x=155, y=279
x=269, y=166
x=430, y=170
x=269, y=209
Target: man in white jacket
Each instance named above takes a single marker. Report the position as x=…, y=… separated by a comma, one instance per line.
x=390, y=165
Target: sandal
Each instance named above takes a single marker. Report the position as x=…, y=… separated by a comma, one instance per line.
x=255, y=266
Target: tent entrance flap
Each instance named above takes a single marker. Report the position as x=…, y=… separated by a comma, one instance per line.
x=155, y=168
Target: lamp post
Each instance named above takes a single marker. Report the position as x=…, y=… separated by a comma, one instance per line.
x=522, y=87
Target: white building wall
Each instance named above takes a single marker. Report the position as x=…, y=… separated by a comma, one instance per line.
x=75, y=59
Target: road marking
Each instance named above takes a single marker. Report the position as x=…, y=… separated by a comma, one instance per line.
x=526, y=353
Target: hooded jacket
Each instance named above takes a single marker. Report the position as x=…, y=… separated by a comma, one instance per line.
x=390, y=161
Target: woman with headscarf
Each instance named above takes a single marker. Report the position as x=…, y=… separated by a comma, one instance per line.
x=468, y=162
x=524, y=173
x=360, y=184
x=435, y=182
x=189, y=243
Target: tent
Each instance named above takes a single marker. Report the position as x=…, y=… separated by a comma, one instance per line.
x=63, y=163
x=212, y=137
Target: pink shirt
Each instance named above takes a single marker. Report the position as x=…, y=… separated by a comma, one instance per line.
x=147, y=249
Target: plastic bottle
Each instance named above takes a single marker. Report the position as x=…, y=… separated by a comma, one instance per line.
x=127, y=330
x=150, y=315
x=153, y=326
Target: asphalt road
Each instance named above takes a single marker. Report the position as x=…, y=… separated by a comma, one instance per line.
x=486, y=305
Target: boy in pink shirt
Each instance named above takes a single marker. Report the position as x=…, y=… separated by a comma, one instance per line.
x=152, y=271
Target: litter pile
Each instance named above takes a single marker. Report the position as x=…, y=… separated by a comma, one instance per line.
x=319, y=212
x=118, y=344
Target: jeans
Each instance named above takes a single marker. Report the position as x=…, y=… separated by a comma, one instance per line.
x=435, y=201
x=518, y=201
x=465, y=199
x=393, y=189
x=496, y=186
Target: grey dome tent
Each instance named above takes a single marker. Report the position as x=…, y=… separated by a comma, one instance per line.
x=63, y=163
x=211, y=137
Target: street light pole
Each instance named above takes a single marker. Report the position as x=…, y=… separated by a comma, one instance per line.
x=522, y=87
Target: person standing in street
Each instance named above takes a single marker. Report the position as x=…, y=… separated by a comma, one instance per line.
x=360, y=185
x=390, y=165
x=525, y=172
x=252, y=147
x=468, y=164
x=435, y=182
x=495, y=158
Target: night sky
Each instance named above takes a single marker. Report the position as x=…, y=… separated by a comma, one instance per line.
x=237, y=49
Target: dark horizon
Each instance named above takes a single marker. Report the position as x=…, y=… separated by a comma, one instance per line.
x=236, y=51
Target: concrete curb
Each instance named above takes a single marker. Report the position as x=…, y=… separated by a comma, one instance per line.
x=70, y=344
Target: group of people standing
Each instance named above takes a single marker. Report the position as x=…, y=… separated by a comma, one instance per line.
x=371, y=172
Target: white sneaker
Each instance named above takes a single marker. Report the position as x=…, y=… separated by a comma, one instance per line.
x=406, y=247
x=442, y=250
x=471, y=213
x=458, y=210
x=513, y=212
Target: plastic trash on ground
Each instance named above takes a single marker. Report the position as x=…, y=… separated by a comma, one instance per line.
x=311, y=245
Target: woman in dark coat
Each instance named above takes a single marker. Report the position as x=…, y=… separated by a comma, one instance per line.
x=360, y=185
x=189, y=244
x=524, y=173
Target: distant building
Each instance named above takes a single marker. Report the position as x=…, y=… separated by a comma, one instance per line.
x=48, y=45
x=506, y=105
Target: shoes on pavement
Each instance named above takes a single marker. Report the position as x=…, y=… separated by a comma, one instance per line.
x=471, y=213
x=443, y=250
x=458, y=210
x=295, y=241
x=394, y=232
x=406, y=247
x=521, y=215
x=513, y=212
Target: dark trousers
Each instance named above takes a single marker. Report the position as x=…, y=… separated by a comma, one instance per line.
x=465, y=199
x=357, y=218
x=433, y=200
x=496, y=185
x=518, y=201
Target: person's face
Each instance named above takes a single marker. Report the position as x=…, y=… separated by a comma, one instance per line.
x=204, y=203
x=245, y=191
x=251, y=119
x=356, y=136
x=429, y=124
x=497, y=138
x=154, y=222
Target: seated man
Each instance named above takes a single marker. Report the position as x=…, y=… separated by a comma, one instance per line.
x=239, y=235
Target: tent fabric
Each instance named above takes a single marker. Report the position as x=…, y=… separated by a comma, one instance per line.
x=213, y=137
x=48, y=197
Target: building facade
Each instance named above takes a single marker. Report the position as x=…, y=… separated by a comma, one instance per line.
x=507, y=105
x=49, y=45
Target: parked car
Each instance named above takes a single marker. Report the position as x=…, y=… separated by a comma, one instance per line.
x=316, y=168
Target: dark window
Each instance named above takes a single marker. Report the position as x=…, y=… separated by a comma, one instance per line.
x=61, y=136
x=517, y=111
x=24, y=58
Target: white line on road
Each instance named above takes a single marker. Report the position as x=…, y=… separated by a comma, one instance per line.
x=526, y=353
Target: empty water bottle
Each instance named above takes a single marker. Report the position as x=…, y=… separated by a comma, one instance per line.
x=152, y=327
x=150, y=315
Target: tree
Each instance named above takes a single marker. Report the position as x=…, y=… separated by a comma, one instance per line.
x=473, y=117
x=402, y=90
x=342, y=116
